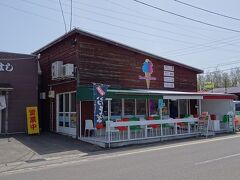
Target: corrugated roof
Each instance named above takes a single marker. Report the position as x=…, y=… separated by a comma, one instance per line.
x=230, y=90
x=76, y=30
x=164, y=92
x=15, y=56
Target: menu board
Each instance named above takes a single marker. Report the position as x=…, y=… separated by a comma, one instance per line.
x=168, y=76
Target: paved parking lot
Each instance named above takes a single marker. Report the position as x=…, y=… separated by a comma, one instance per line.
x=22, y=147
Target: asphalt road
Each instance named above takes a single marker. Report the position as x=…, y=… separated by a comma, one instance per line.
x=216, y=158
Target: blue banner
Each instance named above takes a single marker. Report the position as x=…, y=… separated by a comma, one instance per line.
x=99, y=93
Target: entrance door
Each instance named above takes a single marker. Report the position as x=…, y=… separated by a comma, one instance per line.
x=87, y=113
x=66, y=113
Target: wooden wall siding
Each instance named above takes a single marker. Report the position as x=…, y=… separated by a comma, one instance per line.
x=101, y=62
x=105, y=63
x=66, y=52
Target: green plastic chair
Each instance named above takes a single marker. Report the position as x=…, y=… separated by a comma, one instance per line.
x=157, y=118
x=136, y=128
x=225, y=118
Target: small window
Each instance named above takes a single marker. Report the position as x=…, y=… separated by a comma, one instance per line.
x=153, y=106
x=141, y=107
x=129, y=107
x=116, y=107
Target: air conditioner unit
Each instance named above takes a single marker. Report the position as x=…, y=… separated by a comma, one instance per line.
x=57, y=70
x=68, y=70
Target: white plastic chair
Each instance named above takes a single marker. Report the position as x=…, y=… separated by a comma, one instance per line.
x=88, y=126
x=111, y=131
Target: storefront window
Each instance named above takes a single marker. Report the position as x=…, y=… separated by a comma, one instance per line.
x=183, y=107
x=165, y=110
x=73, y=120
x=141, y=107
x=61, y=118
x=116, y=107
x=129, y=107
x=61, y=103
x=66, y=102
x=67, y=116
x=73, y=102
x=153, y=106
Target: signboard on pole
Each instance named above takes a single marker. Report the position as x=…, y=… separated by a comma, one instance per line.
x=32, y=120
x=99, y=92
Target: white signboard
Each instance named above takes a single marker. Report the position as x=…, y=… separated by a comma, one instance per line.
x=168, y=79
x=168, y=85
x=2, y=102
x=6, y=67
x=168, y=73
x=168, y=68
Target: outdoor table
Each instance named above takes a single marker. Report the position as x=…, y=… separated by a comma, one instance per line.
x=145, y=123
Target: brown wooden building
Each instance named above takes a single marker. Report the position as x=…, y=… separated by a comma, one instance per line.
x=18, y=88
x=99, y=60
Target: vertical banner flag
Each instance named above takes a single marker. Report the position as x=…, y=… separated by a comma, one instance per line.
x=3, y=104
x=99, y=92
x=32, y=120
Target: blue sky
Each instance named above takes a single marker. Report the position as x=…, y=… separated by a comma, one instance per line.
x=27, y=25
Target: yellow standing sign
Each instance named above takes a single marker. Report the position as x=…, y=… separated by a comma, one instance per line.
x=32, y=120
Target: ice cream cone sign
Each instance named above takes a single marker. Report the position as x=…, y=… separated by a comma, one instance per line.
x=147, y=69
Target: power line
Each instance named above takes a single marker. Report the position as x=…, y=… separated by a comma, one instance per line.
x=223, y=64
x=166, y=22
x=31, y=13
x=138, y=24
x=205, y=45
x=206, y=10
x=110, y=24
x=185, y=17
x=91, y=19
x=63, y=16
x=52, y=20
x=203, y=50
x=222, y=70
x=135, y=24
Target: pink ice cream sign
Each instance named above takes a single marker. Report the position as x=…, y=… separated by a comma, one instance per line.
x=147, y=69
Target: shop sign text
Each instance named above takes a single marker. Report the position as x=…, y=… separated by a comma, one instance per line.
x=6, y=67
x=32, y=120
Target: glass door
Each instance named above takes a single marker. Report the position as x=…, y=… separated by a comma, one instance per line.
x=66, y=113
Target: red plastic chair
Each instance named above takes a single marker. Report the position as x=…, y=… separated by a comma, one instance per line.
x=100, y=127
x=152, y=127
x=122, y=128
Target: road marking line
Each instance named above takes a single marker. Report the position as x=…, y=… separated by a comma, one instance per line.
x=217, y=159
x=169, y=146
x=113, y=155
